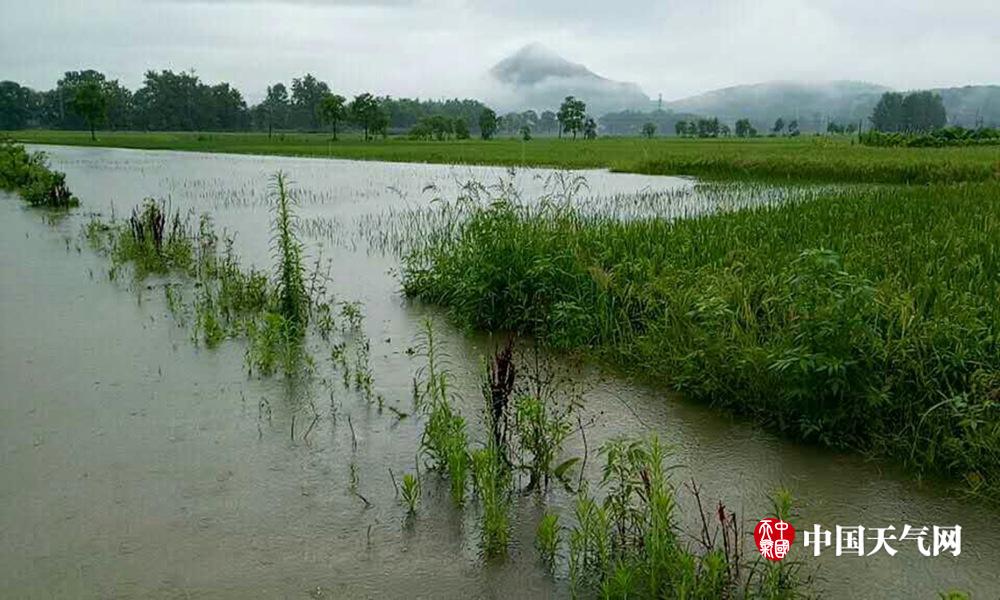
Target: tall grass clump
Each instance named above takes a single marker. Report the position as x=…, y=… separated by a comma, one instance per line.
x=630, y=546
x=865, y=320
x=293, y=302
x=445, y=440
x=28, y=174
x=493, y=485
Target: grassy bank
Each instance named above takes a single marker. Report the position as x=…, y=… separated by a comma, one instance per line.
x=866, y=321
x=815, y=159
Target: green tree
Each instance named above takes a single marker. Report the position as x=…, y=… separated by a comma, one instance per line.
x=744, y=128
x=708, y=127
x=590, y=128
x=793, y=127
x=571, y=116
x=15, y=105
x=888, y=113
x=547, y=123
x=648, y=129
x=307, y=94
x=487, y=123
x=333, y=110
x=525, y=133
x=91, y=104
x=461, y=128
x=365, y=111
x=681, y=128
x=923, y=111
x=779, y=125
x=276, y=106
x=119, y=105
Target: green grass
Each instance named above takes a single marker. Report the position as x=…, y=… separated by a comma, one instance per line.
x=815, y=159
x=866, y=320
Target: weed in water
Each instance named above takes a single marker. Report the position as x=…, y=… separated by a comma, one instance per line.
x=410, y=491
x=547, y=538
x=493, y=485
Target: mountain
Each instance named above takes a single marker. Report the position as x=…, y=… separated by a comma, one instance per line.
x=972, y=105
x=815, y=104
x=537, y=78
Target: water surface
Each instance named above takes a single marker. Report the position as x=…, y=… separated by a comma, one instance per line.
x=136, y=464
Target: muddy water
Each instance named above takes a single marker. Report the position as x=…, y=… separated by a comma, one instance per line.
x=138, y=465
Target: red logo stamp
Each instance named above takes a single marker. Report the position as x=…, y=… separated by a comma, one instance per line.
x=773, y=537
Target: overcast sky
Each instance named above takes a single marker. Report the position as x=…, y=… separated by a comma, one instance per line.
x=443, y=47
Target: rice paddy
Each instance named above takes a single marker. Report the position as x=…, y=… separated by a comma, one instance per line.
x=818, y=159
x=866, y=320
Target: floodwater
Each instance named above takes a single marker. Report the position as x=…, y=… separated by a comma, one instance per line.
x=137, y=464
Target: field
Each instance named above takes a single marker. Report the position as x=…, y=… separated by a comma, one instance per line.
x=859, y=317
x=865, y=320
x=803, y=159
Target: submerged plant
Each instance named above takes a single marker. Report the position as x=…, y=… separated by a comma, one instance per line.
x=493, y=484
x=292, y=302
x=444, y=441
x=548, y=537
x=410, y=491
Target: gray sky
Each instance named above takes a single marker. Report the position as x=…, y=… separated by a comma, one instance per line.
x=443, y=47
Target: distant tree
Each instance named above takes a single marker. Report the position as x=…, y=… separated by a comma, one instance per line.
x=648, y=129
x=547, y=122
x=511, y=123
x=380, y=120
x=681, y=128
x=888, y=113
x=333, y=110
x=461, y=128
x=571, y=116
x=91, y=104
x=724, y=130
x=525, y=133
x=119, y=105
x=276, y=107
x=834, y=128
x=744, y=128
x=923, y=111
x=708, y=127
x=793, y=127
x=590, y=128
x=851, y=128
x=364, y=111
x=487, y=123
x=15, y=105
x=529, y=118
x=779, y=125
x=307, y=94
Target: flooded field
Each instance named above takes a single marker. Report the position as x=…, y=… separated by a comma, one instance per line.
x=138, y=464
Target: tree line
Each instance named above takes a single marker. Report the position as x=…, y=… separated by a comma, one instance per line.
x=916, y=112
x=180, y=101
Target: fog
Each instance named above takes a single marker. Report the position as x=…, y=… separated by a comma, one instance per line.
x=443, y=48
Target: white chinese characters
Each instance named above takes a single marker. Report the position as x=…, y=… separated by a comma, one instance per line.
x=858, y=540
